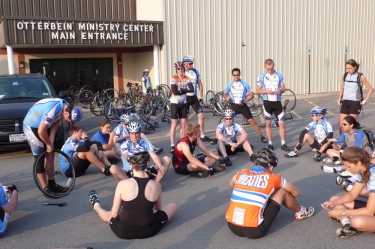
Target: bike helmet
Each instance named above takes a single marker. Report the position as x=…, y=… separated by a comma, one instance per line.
x=228, y=113
x=76, y=115
x=319, y=110
x=178, y=64
x=266, y=155
x=188, y=58
x=124, y=118
x=145, y=71
x=139, y=159
x=134, y=127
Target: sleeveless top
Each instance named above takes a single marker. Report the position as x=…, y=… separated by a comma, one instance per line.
x=178, y=155
x=138, y=211
x=351, y=90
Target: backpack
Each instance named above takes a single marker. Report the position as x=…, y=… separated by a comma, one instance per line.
x=358, y=83
x=370, y=137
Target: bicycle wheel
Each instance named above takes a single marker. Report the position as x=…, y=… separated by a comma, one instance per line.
x=61, y=163
x=166, y=90
x=84, y=98
x=220, y=104
x=97, y=105
x=72, y=93
x=153, y=109
x=256, y=105
x=114, y=108
x=288, y=99
x=210, y=97
x=110, y=93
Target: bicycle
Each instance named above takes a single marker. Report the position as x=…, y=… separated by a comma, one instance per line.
x=61, y=177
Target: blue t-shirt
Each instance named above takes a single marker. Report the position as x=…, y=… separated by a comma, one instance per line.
x=100, y=137
x=47, y=111
x=69, y=148
x=3, y=197
x=238, y=91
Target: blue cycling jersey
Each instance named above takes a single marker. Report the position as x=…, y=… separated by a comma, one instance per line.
x=321, y=129
x=130, y=148
x=271, y=82
x=238, y=90
x=371, y=183
x=69, y=148
x=47, y=111
x=231, y=132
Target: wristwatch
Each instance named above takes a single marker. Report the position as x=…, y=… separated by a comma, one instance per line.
x=343, y=212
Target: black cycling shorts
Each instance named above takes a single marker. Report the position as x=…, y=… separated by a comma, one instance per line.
x=229, y=151
x=182, y=168
x=316, y=145
x=350, y=107
x=270, y=213
x=124, y=231
x=194, y=103
x=241, y=109
x=273, y=107
x=178, y=111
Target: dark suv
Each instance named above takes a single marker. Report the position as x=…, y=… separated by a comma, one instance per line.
x=18, y=93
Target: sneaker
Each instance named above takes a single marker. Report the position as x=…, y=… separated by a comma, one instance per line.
x=314, y=149
x=285, y=147
x=253, y=157
x=327, y=160
x=158, y=150
x=59, y=189
x=309, y=211
x=317, y=157
x=345, y=184
x=328, y=169
x=346, y=231
x=93, y=197
x=346, y=174
x=263, y=139
x=270, y=146
x=49, y=191
x=171, y=149
x=199, y=174
x=206, y=139
x=291, y=154
x=227, y=161
x=214, y=141
x=337, y=162
x=218, y=168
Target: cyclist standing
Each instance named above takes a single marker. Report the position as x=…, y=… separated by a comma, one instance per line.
x=146, y=82
x=192, y=98
x=271, y=85
x=237, y=91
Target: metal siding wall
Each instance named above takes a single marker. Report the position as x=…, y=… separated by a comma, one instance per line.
x=213, y=31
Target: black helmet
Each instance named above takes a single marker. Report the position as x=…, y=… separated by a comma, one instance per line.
x=143, y=156
x=267, y=155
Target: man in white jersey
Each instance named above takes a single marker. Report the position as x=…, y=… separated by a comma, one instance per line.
x=192, y=98
x=271, y=85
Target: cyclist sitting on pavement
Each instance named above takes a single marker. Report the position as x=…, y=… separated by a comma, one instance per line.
x=228, y=141
x=105, y=137
x=134, y=145
x=186, y=164
x=8, y=202
x=121, y=134
x=136, y=211
x=83, y=152
x=322, y=130
x=257, y=198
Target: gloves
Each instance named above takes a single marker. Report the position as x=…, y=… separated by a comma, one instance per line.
x=298, y=146
x=201, y=101
x=221, y=161
x=339, y=102
x=210, y=171
x=12, y=187
x=242, y=102
x=364, y=102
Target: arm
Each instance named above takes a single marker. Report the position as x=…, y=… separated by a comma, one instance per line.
x=346, y=198
x=110, y=144
x=200, y=85
x=221, y=137
x=156, y=159
x=12, y=202
x=54, y=128
x=185, y=149
x=291, y=189
x=261, y=91
x=117, y=199
x=249, y=97
x=120, y=139
x=325, y=140
x=368, y=86
x=157, y=205
x=42, y=132
x=359, y=138
x=206, y=151
x=177, y=91
x=243, y=137
x=281, y=90
x=341, y=90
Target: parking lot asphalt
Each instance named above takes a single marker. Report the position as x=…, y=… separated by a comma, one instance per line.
x=200, y=220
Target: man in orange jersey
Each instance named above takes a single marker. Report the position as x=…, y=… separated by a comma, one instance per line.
x=258, y=195
x=180, y=86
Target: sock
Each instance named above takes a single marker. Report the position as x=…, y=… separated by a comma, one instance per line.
x=172, y=145
x=51, y=182
x=203, y=136
x=338, y=168
x=345, y=221
x=282, y=142
x=318, y=153
x=302, y=210
x=270, y=142
x=96, y=203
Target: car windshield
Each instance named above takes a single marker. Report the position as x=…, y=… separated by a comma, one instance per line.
x=24, y=88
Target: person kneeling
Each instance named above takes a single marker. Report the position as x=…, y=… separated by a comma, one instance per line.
x=185, y=163
x=228, y=142
x=83, y=152
x=323, y=132
x=258, y=195
x=8, y=202
x=132, y=215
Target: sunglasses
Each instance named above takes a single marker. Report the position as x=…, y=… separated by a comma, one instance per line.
x=228, y=118
x=191, y=63
x=235, y=74
x=180, y=68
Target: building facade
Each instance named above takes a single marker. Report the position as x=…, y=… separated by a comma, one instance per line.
x=113, y=41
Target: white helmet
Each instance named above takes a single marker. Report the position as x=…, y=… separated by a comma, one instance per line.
x=134, y=127
x=188, y=58
x=125, y=118
x=228, y=113
x=145, y=71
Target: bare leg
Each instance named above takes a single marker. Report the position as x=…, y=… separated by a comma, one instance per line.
x=247, y=148
x=269, y=130
x=173, y=130
x=342, y=116
x=255, y=126
x=170, y=209
x=282, y=130
x=282, y=196
x=201, y=122
x=103, y=214
x=222, y=148
x=182, y=127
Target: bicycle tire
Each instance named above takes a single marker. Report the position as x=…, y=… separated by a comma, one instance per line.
x=59, y=175
x=220, y=104
x=256, y=105
x=210, y=98
x=110, y=93
x=115, y=107
x=153, y=109
x=84, y=98
x=288, y=100
x=166, y=90
x=97, y=105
